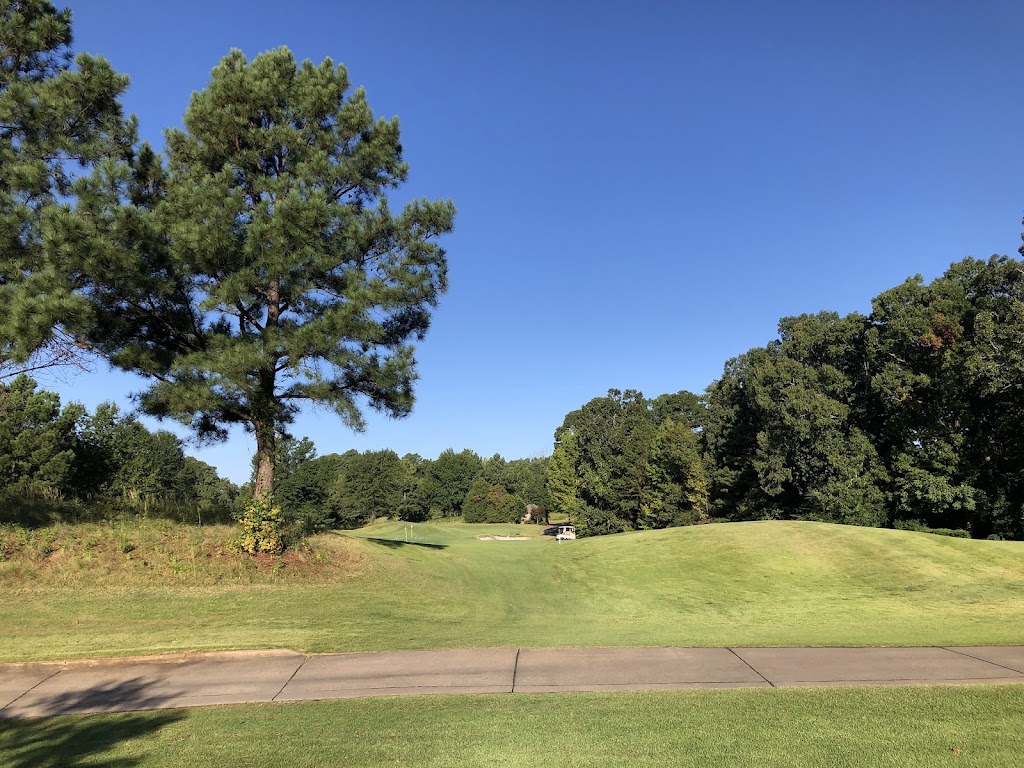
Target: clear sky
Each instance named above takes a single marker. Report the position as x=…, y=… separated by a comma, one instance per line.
x=643, y=188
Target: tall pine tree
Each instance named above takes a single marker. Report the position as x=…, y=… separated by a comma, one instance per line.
x=59, y=119
x=277, y=275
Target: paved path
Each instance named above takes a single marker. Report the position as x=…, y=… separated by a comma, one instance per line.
x=32, y=690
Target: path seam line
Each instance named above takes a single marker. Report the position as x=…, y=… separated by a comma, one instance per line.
x=515, y=670
x=292, y=677
x=26, y=693
x=978, y=658
x=733, y=652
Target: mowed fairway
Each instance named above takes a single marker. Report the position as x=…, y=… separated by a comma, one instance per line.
x=876, y=727
x=740, y=584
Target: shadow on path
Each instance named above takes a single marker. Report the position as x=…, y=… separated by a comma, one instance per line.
x=45, y=742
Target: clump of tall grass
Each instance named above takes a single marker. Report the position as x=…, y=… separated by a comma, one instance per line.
x=136, y=552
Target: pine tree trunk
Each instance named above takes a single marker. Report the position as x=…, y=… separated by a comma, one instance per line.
x=265, y=440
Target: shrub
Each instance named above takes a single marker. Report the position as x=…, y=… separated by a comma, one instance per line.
x=486, y=503
x=956, y=533
x=262, y=528
x=592, y=521
x=919, y=527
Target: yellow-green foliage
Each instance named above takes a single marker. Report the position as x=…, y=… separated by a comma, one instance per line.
x=262, y=528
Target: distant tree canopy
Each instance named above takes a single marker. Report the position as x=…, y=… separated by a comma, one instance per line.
x=64, y=462
x=623, y=462
x=909, y=416
x=38, y=440
x=352, y=489
x=503, y=489
x=67, y=456
x=447, y=480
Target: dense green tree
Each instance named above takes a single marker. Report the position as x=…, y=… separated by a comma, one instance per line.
x=782, y=429
x=812, y=458
x=447, y=481
x=915, y=398
x=59, y=120
x=992, y=372
x=730, y=439
x=613, y=435
x=527, y=480
x=682, y=407
x=908, y=415
x=269, y=270
x=107, y=459
x=374, y=484
x=290, y=454
x=948, y=395
x=495, y=471
x=412, y=499
x=563, y=482
x=307, y=492
x=524, y=479
x=37, y=440
x=486, y=502
x=119, y=458
x=677, y=493
x=215, y=496
x=623, y=462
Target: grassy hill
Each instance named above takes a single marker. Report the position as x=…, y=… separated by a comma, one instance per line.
x=403, y=586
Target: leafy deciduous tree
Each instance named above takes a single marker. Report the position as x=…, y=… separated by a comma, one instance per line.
x=448, y=479
x=37, y=439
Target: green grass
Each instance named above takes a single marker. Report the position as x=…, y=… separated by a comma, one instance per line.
x=878, y=727
x=768, y=583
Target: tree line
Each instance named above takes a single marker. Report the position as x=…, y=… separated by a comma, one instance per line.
x=909, y=416
x=66, y=463
x=351, y=489
x=63, y=462
x=905, y=417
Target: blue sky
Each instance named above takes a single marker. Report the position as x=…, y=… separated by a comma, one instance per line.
x=644, y=189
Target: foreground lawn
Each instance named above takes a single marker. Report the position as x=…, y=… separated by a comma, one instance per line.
x=142, y=590
x=898, y=727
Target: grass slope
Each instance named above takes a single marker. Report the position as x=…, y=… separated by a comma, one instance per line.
x=878, y=727
x=761, y=583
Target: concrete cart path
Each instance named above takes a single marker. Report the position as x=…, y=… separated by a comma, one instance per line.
x=116, y=685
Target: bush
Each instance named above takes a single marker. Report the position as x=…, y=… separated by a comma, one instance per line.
x=919, y=527
x=262, y=528
x=486, y=503
x=956, y=533
x=592, y=521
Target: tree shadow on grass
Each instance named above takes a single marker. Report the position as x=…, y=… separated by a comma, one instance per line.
x=61, y=740
x=398, y=543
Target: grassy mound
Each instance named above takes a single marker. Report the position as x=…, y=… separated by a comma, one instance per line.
x=133, y=554
x=404, y=586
